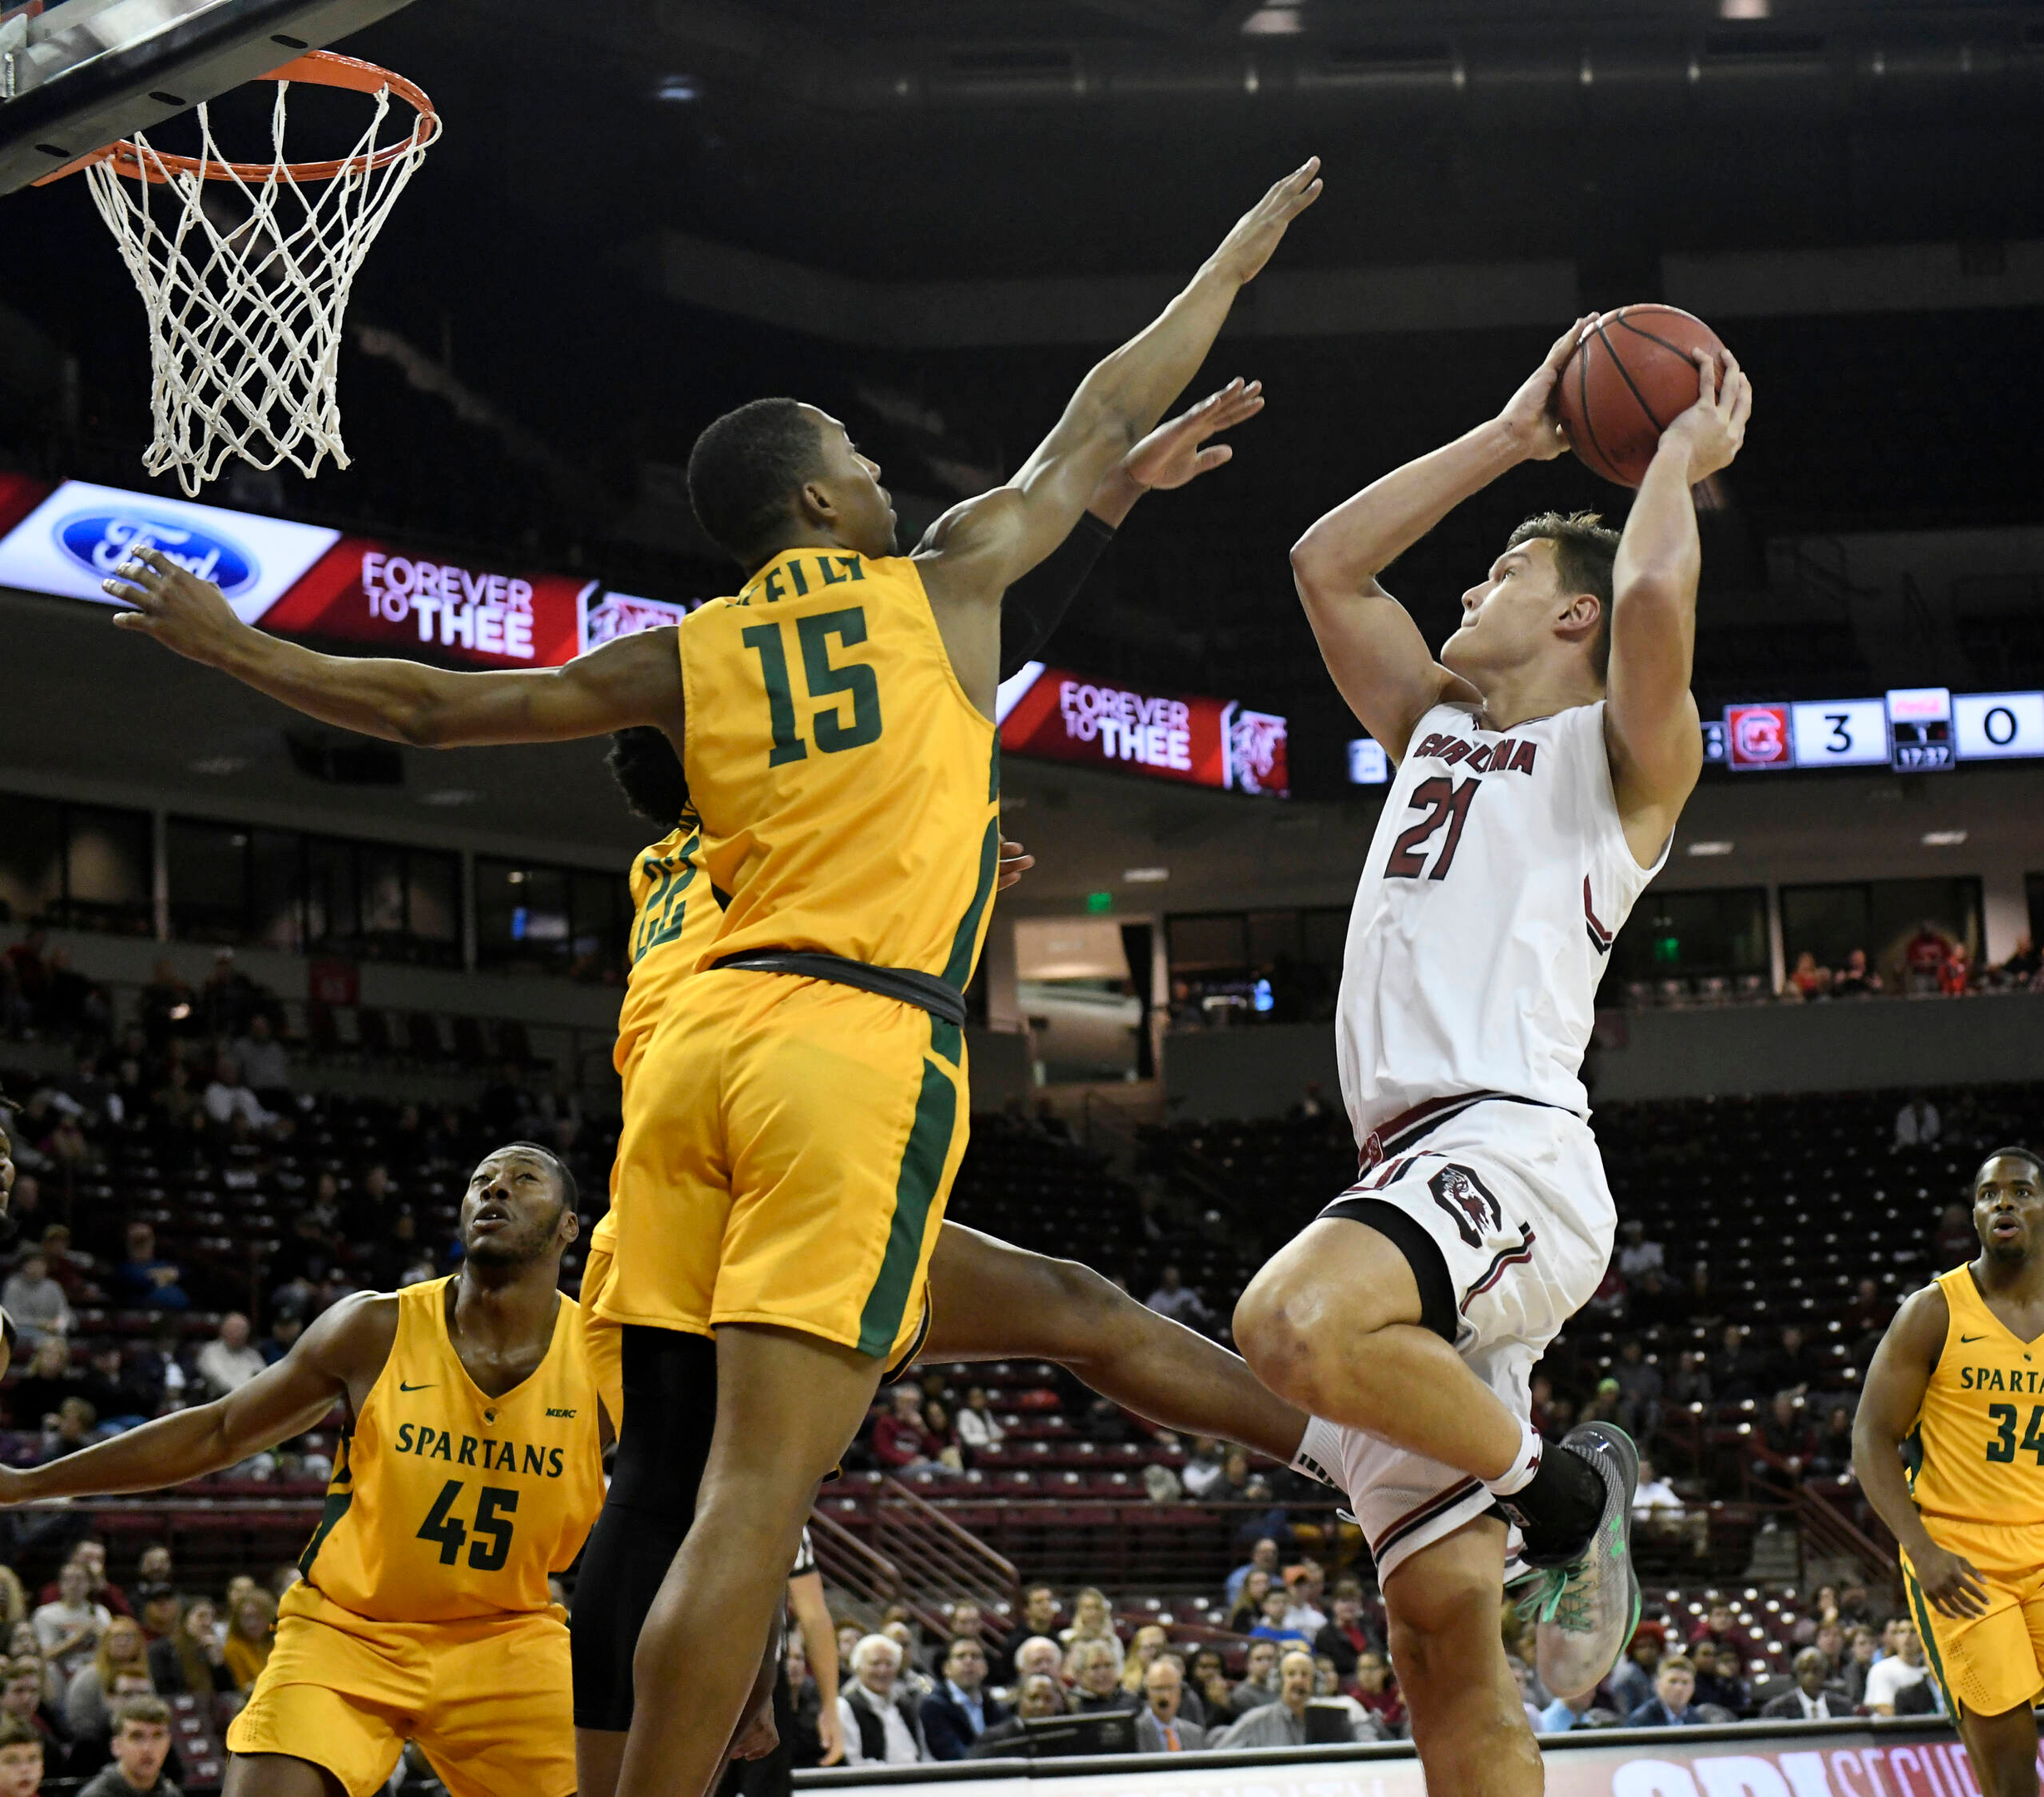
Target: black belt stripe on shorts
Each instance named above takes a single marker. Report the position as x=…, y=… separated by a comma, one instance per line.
x=924, y=991
x=1396, y=1134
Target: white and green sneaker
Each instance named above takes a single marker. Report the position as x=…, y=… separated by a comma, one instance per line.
x=1587, y=1609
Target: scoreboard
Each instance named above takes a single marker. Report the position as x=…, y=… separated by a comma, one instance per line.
x=1913, y=729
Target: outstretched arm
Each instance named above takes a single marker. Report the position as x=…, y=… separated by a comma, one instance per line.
x=819, y=1644
x=1650, y=727
x=1888, y=1405
x=1373, y=648
x=979, y=549
x=347, y=1345
x=1172, y=454
x=634, y=680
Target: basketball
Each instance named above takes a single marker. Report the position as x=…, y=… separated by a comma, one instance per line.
x=1626, y=381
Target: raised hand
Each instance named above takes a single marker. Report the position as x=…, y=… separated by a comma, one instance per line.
x=1529, y=413
x=1257, y=232
x=1713, y=429
x=1177, y=450
x=177, y=608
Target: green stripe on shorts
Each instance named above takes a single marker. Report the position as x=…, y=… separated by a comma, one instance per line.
x=915, y=1186
x=1921, y=1611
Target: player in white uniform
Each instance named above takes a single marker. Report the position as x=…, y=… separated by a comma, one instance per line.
x=1544, y=761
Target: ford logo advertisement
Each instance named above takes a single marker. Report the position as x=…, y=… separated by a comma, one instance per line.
x=81, y=532
x=98, y=542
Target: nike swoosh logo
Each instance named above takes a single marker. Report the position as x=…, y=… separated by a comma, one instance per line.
x=1964, y=1339
x=402, y=1386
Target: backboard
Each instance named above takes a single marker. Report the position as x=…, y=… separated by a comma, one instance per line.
x=75, y=75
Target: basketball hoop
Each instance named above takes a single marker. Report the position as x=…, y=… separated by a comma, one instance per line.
x=244, y=314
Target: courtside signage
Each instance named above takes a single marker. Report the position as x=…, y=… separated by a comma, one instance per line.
x=81, y=533
x=1058, y=716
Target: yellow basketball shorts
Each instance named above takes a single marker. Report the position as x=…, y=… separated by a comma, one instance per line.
x=601, y=1340
x=1994, y=1662
x=490, y=1701
x=788, y=1150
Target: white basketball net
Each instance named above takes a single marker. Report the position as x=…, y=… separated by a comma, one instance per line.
x=245, y=313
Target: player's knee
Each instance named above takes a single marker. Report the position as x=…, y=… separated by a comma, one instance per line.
x=1272, y=1332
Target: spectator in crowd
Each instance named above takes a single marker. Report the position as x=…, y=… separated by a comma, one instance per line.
x=1674, y=1683
x=1040, y=1655
x=1718, y=1625
x=42, y=1386
x=191, y=1659
x=1918, y=1124
x=251, y=1621
x=121, y=1648
x=1639, y=1388
x=22, y=1758
x=1302, y=1586
x=1037, y=1697
x=1273, y=1625
x=1259, y=1683
x=36, y=1303
x=1785, y=1444
x=1632, y=1680
x=1923, y=956
x=73, y=1429
x=1890, y=1678
x=1208, y=1679
x=1856, y=979
x=1377, y=1691
x=265, y=1066
x=1092, y=1620
x=141, y=1742
x=1248, y=1612
x=1039, y=1617
x=1343, y=1637
x=24, y=1698
x=1690, y=1383
x=227, y=1096
x=2027, y=965
x=1660, y=1515
x=1860, y=1646
x=230, y=1360
x=287, y=1323
x=90, y=1552
x=1202, y=1470
x=1829, y=1640
x=1144, y=1646
x=1281, y=1724
x=880, y=1726
x=911, y=1682
x=1806, y=979
x=900, y=1442
x=978, y=1426
x=1159, y=1726
x=307, y=1265
x=1093, y=1669
x=120, y=1399
x=1636, y=1254
x=960, y=1709
x=1832, y=1454
x=805, y=1743
x=68, y=1630
x=1262, y=1558
x=1815, y=1698
x=937, y=1426
x=1719, y=1681
x=145, y=1280
x=1175, y=1299
x=159, y=1367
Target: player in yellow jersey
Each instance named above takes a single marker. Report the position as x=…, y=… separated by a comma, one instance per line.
x=1955, y=1394
x=470, y=1469
x=835, y=719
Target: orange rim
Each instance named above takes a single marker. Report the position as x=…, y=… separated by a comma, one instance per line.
x=319, y=68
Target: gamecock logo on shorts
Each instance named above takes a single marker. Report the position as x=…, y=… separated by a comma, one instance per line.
x=1468, y=1199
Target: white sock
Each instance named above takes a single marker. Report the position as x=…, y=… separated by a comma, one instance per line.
x=1525, y=1464
x=1319, y=1452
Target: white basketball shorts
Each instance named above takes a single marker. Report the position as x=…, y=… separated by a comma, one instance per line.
x=1514, y=1196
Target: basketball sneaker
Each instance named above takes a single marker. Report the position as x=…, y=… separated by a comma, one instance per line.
x=1586, y=1608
